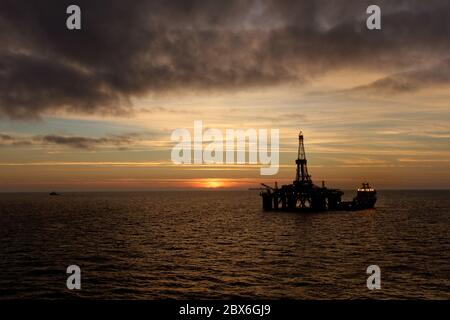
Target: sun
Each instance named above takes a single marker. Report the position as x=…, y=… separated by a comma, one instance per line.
x=213, y=184
x=210, y=183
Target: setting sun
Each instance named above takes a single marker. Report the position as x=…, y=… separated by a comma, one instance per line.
x=213, y=184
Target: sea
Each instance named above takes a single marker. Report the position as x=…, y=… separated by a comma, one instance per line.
x=221, y=245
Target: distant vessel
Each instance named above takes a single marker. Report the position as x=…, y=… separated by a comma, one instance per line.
x=53, y=193
x=304, y=195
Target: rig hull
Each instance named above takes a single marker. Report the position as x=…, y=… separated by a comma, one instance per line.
x=314, y=199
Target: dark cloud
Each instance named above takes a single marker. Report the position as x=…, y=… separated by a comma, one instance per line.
x=126, y=50
x=5, y=137
x=86, y=143
x=116, y=141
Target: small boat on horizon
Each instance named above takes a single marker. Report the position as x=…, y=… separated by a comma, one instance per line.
x=53, y=193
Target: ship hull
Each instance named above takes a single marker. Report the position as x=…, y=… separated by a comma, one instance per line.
x=357, y=205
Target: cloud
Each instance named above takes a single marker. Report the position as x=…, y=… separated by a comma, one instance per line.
x=287, y=119
x=436, y=75
x=5, y=137
x=156, y=47
x=86, y=143
x=414, y=160
x=159, y=109
x=116, y=141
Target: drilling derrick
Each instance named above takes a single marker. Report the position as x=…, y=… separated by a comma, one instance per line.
x=301, y=175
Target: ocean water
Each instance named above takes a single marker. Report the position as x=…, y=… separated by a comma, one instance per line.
x=220, y=245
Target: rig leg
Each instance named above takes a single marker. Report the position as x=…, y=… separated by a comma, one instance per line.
x=267, y=202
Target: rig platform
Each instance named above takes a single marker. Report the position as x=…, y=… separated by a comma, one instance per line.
x=303, y=195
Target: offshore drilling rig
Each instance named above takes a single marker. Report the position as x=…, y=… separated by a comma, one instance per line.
x=304, y=195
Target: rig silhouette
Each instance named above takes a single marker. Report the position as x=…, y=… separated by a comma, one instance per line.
x=304, y=195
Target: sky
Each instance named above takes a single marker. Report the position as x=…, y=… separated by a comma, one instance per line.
x=94, y=109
